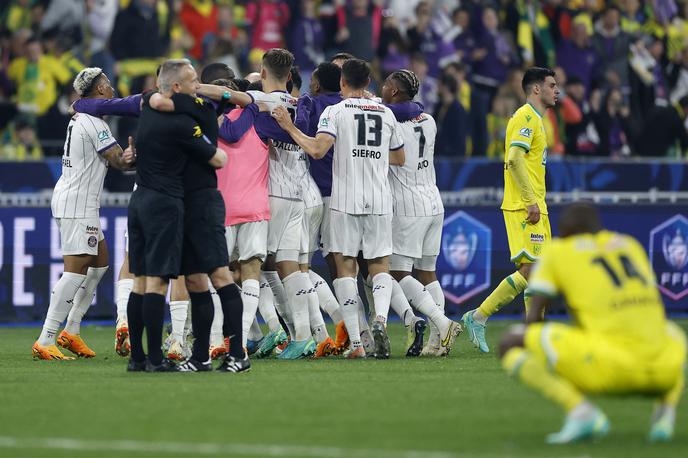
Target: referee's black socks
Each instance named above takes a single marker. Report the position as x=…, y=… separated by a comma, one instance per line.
x=153, y=316
x=202, y=313
x=233, y=309
x=135, y=322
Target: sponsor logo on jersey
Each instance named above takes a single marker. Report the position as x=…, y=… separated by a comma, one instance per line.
x=285, y=146
x=537, y=238
x=669, y=256
x=197, y=131
x=91, y=229
x=378, y=108
x=525, y=132
x=463, y=266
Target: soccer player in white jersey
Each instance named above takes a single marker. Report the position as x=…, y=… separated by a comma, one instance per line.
x=88, y=149
x=365, y=144
x=287, y=169
x=418, y=215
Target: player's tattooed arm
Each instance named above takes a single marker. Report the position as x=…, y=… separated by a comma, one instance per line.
x=316, y=147
x=217, y=93
x=119, y=159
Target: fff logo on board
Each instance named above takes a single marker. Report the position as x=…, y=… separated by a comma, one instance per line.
x=669, y=256
x=463, y=266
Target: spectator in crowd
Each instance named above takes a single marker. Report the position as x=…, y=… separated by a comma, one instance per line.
x=20, y=142
x=65, y=16
x=664, y=130
x=393, y=51
x=555, y=120
x=611, y=46
x=427, y=93
x=464, y=43
x=582, y=138
x=358, y=28
x=231, y=43
x=100, y=19
x=613, y=123
x=433, y=39
x=268, y=20
x=307, y=40
x=18, y=15
x=138, y=33
x=576, y=55
x=509, y=97
x=459, y=72
x=200, y=18
x=451, y=120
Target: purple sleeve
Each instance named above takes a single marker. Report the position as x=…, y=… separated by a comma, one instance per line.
x=303, y=113
x=127, y=106
x=267, y=128
x=406, y=110
x=232, y=131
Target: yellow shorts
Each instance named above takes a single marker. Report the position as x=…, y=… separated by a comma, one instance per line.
x=526, y=240
x=595, y=364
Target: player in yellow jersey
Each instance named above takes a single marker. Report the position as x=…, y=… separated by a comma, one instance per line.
x=619, y=342
x=525, y=211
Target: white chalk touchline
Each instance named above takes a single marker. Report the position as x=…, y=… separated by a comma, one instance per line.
x=206, y=448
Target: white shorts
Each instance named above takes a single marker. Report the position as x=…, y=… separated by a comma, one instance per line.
x=310, y=228
x=79, y=235
x=247, y=240
x=350, y=234
x=325, y=228
x=417, y=242
x=284, y=228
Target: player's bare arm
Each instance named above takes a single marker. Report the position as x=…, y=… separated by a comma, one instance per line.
x=316, y=147
x=219, y=159
x=397, y=157
x=218, y=93
x=117, y=158
x=516, y=164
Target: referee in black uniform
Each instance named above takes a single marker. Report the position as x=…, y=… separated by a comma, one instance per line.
x=204, y=252
x=165, y=143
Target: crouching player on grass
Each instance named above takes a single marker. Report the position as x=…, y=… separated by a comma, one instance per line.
x=621, y=342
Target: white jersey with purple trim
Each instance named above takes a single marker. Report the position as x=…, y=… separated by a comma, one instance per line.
x=288, y=162
x=365, y=131
x=414, y=185
x=77, y=192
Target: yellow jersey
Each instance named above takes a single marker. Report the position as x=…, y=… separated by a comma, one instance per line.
x=525, y=129
x=608, y=285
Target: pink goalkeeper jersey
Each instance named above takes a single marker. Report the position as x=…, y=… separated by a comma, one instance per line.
x=243, y=181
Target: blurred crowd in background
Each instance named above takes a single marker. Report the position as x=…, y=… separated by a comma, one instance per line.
x=622, y=66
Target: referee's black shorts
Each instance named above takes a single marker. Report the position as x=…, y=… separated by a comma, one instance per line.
x=205, y=246
x=156, y=225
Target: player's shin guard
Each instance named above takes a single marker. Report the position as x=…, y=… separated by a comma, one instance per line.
x=422, y=300
x=325, y=296
x=523, y=365
x=61, y=301
x=297, y=287
x=317, y=323
x=178, y=312
x=281, y=300
x=266, y=306
x=201, y=320
x=233, y=309
x=122, y=291
x=136, y=326
x=503, y=294
x=347, y=293
x=153, y=317
x=250, y=297
x=382, y=295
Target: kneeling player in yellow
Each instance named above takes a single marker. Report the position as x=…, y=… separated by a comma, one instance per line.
x=525, y=211
x=621, y=342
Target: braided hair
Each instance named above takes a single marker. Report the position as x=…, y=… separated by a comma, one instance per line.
x=408, y=81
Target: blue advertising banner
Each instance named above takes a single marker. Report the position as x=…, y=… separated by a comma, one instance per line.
x=474, y=257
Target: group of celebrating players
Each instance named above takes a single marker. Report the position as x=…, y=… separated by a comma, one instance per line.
x=255, y=178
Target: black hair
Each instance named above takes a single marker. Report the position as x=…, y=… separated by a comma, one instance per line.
x=241, y=84
x=216, y=71
x=579, y=218
x=88, y=90
x=356, y=73
x=296, y=79
x=407, y=82
x=535, y=75
x=278, y=63
x=255, y=86
x=449, y=82
x=571, y=80
x=328, y=76
x=342, y=56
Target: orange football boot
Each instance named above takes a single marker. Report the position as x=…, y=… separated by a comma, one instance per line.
x=49, y=352
x=341, y=338
x=122, y=344
x=356, y=353
x=325, y=348
x=75, y=344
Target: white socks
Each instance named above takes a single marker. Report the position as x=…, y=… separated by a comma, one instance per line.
x=266, y=305
x=281, y=301
x=423, y=301
x=317, y=323
x=297, y=287
x=250, y=296
x=325, y=296
x=217, y=339
x=254, y=332
x=122, y=291
x=61, y=301
x=178, y=311
x=83, y=298
x=400, y=304
x=382, y=295
x=347, y=293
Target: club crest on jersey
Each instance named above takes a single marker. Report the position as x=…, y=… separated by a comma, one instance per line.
x=92, y=241
x=324, y=122
x=669, y=256
x=525, y=132
x=197, y=131
x=464, y=264
x=103, y=135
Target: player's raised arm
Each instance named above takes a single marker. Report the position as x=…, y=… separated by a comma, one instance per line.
x=315, y=147
x=224, y=93
x=516, y=165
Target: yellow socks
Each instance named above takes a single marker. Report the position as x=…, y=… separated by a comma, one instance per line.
x=521, y=364
x=504, y=293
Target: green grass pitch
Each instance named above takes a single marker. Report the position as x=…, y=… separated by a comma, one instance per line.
x=461, y=406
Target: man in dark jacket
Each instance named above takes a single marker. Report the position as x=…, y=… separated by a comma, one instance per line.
x=663, y=127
